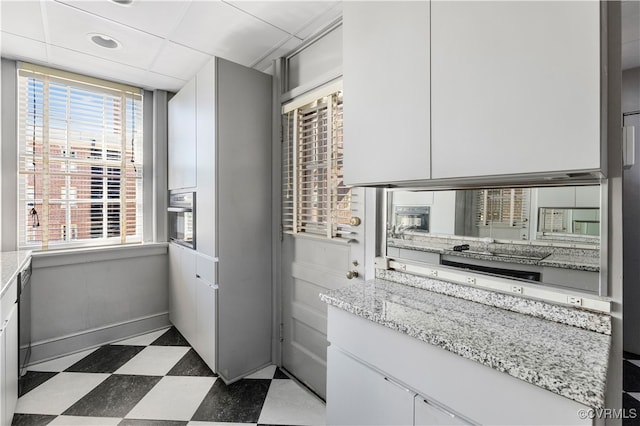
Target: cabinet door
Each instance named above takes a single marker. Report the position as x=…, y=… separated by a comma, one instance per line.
x=10, y=370
x=182, y=138
x=206, y=322
x=358, y=395
x=512, y=90
x=175, y=276
x=430, y=413
x=386, y=91
x=188, y=294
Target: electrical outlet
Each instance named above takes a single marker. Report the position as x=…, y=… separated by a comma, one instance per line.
x=471, y=280
x=433, y=273
x=575, y=301
x=516, y=289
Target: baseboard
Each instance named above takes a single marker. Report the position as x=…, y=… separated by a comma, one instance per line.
x=88, y=339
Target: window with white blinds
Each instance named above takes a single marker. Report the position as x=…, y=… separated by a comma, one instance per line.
x=314, y=197
x=506, y=207
x=80, y=160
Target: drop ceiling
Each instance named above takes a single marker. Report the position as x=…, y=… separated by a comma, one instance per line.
x=164, y=42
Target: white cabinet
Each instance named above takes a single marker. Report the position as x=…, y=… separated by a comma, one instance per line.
x=182, y=290
x=457, y=390
x=8, y=354
x=427, y=412
x=205, y=312
x=233, y=120
x=366, y=397
x=182, y=138
x=465, y=89
x=386, y=91
x=512, y=91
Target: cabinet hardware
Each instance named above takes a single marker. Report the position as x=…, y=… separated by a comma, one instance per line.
x=352, y=274
x=396, y=384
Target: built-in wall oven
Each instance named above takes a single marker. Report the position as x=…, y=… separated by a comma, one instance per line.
x=182, y=218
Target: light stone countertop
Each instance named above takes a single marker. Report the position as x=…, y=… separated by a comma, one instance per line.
x=11, y=262
x=563, y=359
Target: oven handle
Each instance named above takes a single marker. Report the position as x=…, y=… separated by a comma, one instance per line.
x=180, y=209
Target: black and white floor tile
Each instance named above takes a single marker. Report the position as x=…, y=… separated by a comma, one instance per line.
x=157, y=379
x=631, y=385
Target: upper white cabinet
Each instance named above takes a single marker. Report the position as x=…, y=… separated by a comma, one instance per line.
x=182, y=152
x=515, y=88
x=386, y=91
x=461, y=90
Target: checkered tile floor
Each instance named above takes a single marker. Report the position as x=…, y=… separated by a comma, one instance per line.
x=631, y=385
x=157, y=379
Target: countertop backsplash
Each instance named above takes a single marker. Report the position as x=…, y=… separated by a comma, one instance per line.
x=580, y=318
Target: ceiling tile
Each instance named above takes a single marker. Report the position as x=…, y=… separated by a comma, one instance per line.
x=222, y=30
x=321, y=22
x=68, y=27
x=291, y=16
x=23, y=18
x=179, y=61
x=631, y=55
x=95, y=67
x=162, y=82
x=24, y=49
x=152, y=16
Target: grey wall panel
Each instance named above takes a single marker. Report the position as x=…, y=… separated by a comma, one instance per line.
x=79, y=303
x=631, y=90
x=9, y=156
x=243, y=217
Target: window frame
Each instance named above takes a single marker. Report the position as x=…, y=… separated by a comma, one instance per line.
x=131, y=146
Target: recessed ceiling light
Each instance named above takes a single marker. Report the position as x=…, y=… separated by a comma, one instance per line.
x=123, y=2
x=104, y=40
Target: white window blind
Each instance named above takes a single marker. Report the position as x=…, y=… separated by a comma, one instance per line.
x=80, y=160
x=506, y=207
x=314, y=197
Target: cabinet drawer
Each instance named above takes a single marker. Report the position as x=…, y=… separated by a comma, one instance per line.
x=206, y=268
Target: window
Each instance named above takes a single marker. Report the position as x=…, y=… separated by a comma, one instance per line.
x=506, y=207
x=80, y=165
x=314, y=197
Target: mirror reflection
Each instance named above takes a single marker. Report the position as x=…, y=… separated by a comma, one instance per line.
x=548, y=234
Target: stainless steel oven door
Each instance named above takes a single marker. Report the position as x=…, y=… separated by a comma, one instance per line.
x=181, y=214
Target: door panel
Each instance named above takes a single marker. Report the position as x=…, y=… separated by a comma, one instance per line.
x=311, y=266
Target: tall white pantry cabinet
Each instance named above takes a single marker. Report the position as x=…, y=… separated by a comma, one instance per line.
x=472, y=90
x=220, y=293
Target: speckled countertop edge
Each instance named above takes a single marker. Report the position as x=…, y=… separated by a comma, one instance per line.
x=566, y=360
x=11, y=262
x=592, y=321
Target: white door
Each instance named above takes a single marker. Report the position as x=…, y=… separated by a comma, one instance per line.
x=311, y=266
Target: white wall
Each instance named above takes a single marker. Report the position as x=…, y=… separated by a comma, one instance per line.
x=89, y=299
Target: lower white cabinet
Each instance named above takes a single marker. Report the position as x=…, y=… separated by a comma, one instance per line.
x=182, y=293
x=192, y=300
x=366, y=397
x=205, y=342
x=8, y=354
x=429, y=412
x=376, y=375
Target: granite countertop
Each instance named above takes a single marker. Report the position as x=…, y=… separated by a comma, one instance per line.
x=563, y=359
x=553, y=260
x=581, y=263
x=11, y=262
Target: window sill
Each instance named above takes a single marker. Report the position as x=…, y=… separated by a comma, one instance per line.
x=44, y=259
